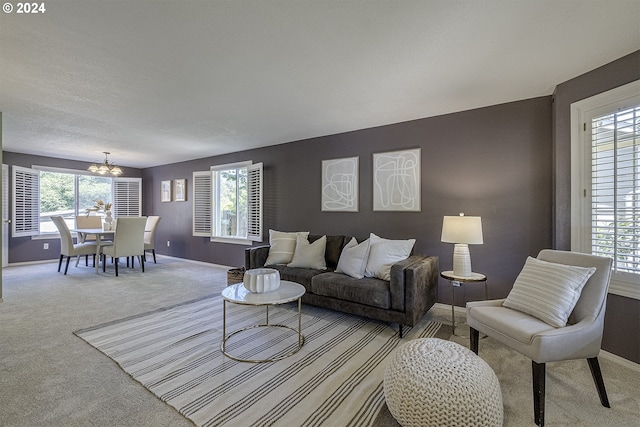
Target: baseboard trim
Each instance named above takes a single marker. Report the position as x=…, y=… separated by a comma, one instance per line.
x=620, y=360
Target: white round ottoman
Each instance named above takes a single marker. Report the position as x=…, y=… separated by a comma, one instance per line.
x=432, y=382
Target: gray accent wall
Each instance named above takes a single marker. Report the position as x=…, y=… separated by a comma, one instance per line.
x=494, y=162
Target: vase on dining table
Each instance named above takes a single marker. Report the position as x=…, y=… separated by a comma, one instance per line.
x=108, y=221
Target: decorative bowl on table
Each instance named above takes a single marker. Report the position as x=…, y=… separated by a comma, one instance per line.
x=261, y=280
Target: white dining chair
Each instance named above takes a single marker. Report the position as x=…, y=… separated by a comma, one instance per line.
x=67, y=247
x=150, y=235
x=128, y=241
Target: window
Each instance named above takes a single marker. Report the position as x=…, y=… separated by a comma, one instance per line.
x=43, y=192
x=227, y=203
x=606, y=193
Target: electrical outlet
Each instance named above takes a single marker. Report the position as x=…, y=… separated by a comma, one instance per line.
x=46, y=246
x=168, y=243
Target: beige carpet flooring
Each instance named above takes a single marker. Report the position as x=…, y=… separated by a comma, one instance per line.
x=50, y=377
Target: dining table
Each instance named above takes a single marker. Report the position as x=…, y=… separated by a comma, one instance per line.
x=100, y=233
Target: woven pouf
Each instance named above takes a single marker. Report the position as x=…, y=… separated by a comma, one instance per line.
x=432, y=382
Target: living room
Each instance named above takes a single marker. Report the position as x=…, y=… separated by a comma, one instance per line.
x=508, y=162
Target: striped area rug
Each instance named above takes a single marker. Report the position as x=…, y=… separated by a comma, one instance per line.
x=334, y=380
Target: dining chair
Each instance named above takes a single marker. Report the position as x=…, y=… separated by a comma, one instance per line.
x=67, y=247
x=150, y=235
x=530, y=320
x=92, y=221
x=128, y=241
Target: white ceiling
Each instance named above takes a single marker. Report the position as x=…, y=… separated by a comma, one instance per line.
x=157, y=82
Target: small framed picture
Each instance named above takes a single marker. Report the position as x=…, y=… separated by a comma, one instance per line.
x=165, y=191
x=180, y=190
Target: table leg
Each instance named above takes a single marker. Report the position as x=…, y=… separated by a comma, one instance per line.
x=299, y=322
x=453, y=313
x=97, y=252
x=224, y=325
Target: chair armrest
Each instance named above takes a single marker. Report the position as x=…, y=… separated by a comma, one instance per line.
x=414, y=285
x=488, y=303
x=255, y=256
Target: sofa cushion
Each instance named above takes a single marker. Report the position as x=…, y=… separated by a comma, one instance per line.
x=309, y=255
x=333, y=249
x=367, y=291
x=282, y=245
x=353, y=259
x=302, y=276
x=383, y=253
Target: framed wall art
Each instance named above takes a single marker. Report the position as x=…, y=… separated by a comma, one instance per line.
x=180, y=190
x=165, y=191
x=340, y=185
x=396, y=181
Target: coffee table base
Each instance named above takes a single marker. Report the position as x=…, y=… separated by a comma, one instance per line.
x=225, y=337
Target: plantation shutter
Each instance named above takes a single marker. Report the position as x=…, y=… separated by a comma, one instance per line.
x=26, y=202
x=127, y=197
x=615, y=188
x=202, y=214
x=254, y=198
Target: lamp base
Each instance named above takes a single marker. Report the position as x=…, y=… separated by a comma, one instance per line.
x=461, y=260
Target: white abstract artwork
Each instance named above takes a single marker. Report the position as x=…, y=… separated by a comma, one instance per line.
x=340, y=184
x=396, y=181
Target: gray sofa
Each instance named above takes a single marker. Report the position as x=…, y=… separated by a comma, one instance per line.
x=404, y=300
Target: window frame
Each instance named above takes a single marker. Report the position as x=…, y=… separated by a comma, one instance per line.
x=205, y=196
x=618, y=99
x=35, y=170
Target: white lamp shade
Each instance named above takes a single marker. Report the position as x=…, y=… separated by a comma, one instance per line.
x=462, y=229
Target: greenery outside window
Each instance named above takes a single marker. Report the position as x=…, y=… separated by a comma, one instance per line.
x=42, y=192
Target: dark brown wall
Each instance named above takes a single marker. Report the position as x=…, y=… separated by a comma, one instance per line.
x=622, y=321
x=494, y=162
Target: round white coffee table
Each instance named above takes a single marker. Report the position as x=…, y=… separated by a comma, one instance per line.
x=238, y=294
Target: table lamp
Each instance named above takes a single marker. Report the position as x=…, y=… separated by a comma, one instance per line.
x=463, y=231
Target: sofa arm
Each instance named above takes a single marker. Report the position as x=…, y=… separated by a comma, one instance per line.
x=414, y=285
x=255, y=256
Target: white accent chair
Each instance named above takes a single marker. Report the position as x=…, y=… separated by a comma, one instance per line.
x=67, y=247
x=150, y=235
x=579, y=339
x=128, y=241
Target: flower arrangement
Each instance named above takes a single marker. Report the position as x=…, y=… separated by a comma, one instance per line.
x=100, y=205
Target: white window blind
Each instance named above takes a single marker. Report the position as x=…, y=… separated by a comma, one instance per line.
x=26, y=202
x=127, y=197
x=202, y=194
x=254, y=199
x=615, y=188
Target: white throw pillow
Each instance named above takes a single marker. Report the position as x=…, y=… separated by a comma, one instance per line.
x=353, y=259
x=283, y=244
x=548, y=291
x=309, y=255
x=383, y=253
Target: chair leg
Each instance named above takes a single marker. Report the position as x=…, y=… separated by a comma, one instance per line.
x=104, y=263
x=67, y=266
x=60, y=262
x=86, y=260
x=116, y=264
x=473, y=340
x=539, y=377
x=153, y=251
x=596, y=373
x=141, y=262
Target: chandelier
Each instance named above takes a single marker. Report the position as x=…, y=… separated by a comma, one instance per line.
x=105, y=167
